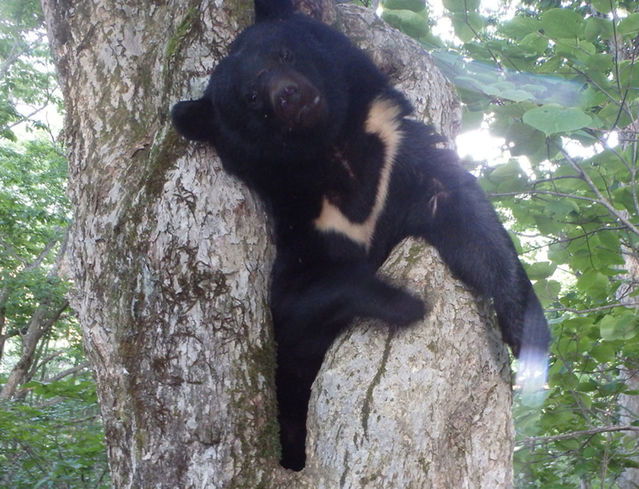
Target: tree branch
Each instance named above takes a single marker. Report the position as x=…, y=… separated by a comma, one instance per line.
x=601, y=199
x=14, y=54
x=38, y=260
x=594, y=309
x=67, y=372
x=534, y=440
x=534, y=192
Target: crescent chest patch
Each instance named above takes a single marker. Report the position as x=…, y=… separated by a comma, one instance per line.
x=383, y=121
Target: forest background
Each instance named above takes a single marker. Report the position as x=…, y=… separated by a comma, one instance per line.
x=555, y=84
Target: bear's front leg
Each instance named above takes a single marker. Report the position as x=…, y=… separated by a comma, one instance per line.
x=310, y=307
x=457, y=218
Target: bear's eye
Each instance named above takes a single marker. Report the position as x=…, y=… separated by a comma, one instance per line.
x=286, y=56
x=252, y=98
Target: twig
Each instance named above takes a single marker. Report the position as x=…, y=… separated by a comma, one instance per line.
x=534, y=440
x=601, y=199
x=594, y=309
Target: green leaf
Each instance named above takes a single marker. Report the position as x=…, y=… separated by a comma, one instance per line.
x=535, y=42
x=507, y=176
x=587, y=386
x=414, y=5
x=472, y=119
x=629, y=74
x=407, y=21
x=525, y=140
x=618, y=327
x=610, y=240
x=594, y=284
x=559, y=23
x=516, y=95
x=601, y=62
x=596, y=27
x=611, y=113
x=467, y=25
x=623, y=199
x=558, y=253
x=603, y=352
x=519, y=27
x=553, y=119
x=629, y=27
x=575, y=49
x=548, y=225
x=609, y=388
x=540, y=270
x=461, y=5
x=562, y=207
x=603, y=6
x=547, y=291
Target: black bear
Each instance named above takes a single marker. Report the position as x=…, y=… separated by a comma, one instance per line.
x=307, y=121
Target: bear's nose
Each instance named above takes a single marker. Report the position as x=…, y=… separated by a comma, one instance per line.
x=286, y=95
x=295, y=102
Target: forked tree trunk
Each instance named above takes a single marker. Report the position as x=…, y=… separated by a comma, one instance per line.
x=171, y=259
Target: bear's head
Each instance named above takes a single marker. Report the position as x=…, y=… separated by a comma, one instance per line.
x=279, y=88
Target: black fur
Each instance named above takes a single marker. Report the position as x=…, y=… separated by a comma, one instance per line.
x=308, y=122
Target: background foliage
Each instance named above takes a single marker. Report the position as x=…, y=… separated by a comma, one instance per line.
x=50, y=431
x=558, y=81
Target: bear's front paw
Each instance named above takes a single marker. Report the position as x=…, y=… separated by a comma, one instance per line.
x=405, y=309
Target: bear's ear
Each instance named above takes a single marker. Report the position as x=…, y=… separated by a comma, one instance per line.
x=193, y=119
x=272, y=9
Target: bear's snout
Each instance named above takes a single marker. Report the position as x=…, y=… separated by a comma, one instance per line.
x=295, y=101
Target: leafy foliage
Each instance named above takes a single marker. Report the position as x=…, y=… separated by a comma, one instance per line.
x=50, y=430
x=33, y=218
x=27, y=78
x=559, y=82
x=55, y=442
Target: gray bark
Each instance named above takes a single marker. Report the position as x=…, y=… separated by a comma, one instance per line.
x=170, y=259
x=427, y=407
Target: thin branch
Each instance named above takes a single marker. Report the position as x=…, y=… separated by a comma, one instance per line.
x=570, y=239
x=43, y=361
x=534, y=192
x=534, y=440
x=39, y=259
x=56, y=315
x=67, y=372
x=60, y=376
x=594, y=309
x=12, y=334
x=14, y=54
x=632, y=169
x=554, y=179
x=601, y=199
x=611, y=97
x=12, y=252
x=77, y=421
x=29, y=116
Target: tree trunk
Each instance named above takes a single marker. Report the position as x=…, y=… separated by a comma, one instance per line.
x=170, y=259
x=41, y=322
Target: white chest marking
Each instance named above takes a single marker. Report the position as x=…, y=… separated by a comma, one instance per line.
x=383, y=120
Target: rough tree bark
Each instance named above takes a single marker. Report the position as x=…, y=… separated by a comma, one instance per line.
x=171, y=257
